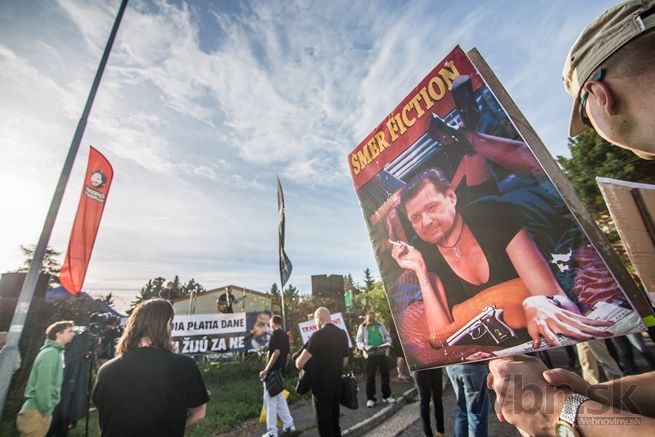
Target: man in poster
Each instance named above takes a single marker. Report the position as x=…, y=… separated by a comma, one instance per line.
x=462, y=270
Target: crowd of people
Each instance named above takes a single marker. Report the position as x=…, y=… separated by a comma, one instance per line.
x=609, y=72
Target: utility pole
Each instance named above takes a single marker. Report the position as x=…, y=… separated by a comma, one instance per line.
x=9, y=353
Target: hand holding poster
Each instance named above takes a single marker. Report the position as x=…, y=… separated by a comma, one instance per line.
x=479, y=254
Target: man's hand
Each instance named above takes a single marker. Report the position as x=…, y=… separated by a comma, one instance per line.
x=263, y=374
x=565, y=379
x=523, y=397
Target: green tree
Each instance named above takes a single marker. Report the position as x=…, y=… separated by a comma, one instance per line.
x=152, y=289
x=50, y=264
x=369, y=282
x=276, y=299
x=592, y=156
x=173, y=289
x=192, y=287
x=377, y=301
x=108, y=299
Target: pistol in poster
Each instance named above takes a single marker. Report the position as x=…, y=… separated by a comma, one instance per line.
x=489, y=321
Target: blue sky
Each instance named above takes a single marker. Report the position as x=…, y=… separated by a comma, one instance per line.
x=204, y=102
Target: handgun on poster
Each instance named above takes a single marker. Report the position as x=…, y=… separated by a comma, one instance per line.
x=489, y=321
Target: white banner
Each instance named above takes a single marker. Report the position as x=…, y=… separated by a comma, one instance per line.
x=309, y=327
x=208, y=324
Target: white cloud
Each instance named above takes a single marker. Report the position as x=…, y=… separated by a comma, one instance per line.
x=202, y=104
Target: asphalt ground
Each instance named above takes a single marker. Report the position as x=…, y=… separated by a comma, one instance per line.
x=400, y=419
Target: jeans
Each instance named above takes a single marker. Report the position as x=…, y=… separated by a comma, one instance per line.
x=624, y=347
x=429, y=384
x=372, y=364
x=470, y=384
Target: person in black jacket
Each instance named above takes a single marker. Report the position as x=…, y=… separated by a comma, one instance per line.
x=328, y=347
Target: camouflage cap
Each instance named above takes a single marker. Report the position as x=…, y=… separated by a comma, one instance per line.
x=604, y=36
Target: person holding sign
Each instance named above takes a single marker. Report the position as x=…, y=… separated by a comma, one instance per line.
x=609, y=72
x=478, y=259
x=374, y=341
x=278, y=358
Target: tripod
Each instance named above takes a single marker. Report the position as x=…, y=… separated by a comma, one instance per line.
x=92, y=357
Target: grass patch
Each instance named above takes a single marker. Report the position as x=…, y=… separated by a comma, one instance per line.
x=236, y=397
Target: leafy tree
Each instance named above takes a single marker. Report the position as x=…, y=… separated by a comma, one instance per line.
x=173, y=289
x=152, y=289
x=291, y=297
x=592, y=156
x=50, y=264
x=276, y=300
x=369, y=282
x=349, y=284
x=377, y=301
x=192, y=287
x=108, y=299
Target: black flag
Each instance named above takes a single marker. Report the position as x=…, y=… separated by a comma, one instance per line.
x=285, y=262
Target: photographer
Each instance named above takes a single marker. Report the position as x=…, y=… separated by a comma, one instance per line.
x=110, y=335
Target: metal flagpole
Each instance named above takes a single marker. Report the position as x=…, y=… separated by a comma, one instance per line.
x=285, y=262
x=9, y=353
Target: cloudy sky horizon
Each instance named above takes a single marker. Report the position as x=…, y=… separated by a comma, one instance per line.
x=204, y=103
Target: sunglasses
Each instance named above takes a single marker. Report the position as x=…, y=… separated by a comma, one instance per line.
x=598, y=75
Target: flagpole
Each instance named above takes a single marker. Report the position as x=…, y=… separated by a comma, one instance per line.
x=285, y=263
x=9, y=353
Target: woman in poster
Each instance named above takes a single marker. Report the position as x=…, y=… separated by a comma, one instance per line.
x=481, y=256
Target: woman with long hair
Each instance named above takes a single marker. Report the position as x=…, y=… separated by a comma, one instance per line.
x=148, y=389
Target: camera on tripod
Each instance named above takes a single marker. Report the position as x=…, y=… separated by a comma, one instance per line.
x=98, y=322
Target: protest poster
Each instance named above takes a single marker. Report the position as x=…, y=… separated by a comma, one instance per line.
x=480, y=255
x=309, y=327
x=222, y=332
x=632, y=207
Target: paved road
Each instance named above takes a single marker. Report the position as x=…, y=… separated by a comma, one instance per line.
x=407, y=422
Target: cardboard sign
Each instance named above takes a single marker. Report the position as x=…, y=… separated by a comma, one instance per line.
x=479, y=254
x=309, y=327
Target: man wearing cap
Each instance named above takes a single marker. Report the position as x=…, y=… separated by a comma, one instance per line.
x=609, y=72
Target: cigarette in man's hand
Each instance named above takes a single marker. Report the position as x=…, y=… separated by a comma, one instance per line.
x=401, y=244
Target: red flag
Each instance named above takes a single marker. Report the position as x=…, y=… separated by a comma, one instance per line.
x=87, y=221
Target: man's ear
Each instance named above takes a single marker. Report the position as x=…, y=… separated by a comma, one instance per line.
x=602, y=95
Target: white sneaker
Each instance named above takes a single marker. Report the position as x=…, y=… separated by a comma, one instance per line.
x=389, y=400
x=370, y=403
x=292, y=428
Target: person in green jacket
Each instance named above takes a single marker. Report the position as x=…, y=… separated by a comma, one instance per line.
x=43, y=391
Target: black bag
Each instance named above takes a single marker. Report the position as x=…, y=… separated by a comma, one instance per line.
x=349, y=391
x=304, y=382
x=274, y=382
